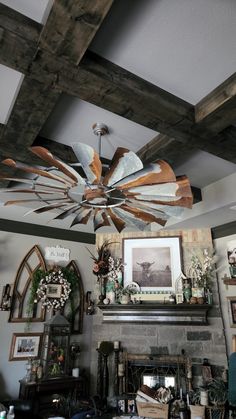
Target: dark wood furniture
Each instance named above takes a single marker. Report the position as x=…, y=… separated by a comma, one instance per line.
x=41, y=392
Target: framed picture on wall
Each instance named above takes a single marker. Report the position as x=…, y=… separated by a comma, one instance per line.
x=24, y=346
x=54, y=290
x=153, y=263
x=232, y=310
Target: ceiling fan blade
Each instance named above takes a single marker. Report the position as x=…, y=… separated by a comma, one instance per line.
x=47, y=207
x=163, y=189
x=24, y=201
x=163, y=200
x=124, y=163
x=89, y=160
x=100, y=219
x=153, y=173
x=129, y=219
x=82, y=216
x=31, y=181
x=72, y=208
x=46, y=155
x=117, y=221
x=35, y=191
x=172, y=211
x=40, y=172
x=184, y=188
x=147, y=217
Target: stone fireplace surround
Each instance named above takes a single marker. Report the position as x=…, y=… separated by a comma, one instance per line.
x=198, y=341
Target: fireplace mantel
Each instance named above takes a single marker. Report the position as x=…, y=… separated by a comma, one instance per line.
x=155, y=313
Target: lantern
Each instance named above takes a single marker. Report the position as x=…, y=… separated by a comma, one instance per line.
x=55, y=347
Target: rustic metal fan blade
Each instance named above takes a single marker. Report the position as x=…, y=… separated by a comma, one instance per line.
x=172, y=211
x=71, y=210
x=130, y=219
x=100, y=219
x=89, y=160
x=124, y=163
x=145, y=216
x=82, y=216
x=28, y=169
x=35, y=191
x=47, y=207
x=32, y=182
x=163, y=200
x=154, y=173
x=163, y=189
x=184, y=188
x=46, y=155
x=24, y=201
x=117, y=221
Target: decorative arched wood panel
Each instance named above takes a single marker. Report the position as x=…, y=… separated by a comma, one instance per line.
x=76, y=317
x=32, y=261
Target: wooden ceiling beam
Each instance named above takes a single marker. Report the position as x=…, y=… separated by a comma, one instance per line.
x=20, y=25
x=37, y=96
x=165, y=148
x=71, y=26
x=217, y=110
x=33, y=105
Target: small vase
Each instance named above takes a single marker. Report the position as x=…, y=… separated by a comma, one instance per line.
x=187, y=293
x=111, y=296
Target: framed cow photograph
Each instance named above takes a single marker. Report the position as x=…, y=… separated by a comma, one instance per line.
x=153, y=263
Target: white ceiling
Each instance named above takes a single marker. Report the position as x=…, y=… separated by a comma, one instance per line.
x=37, y=10
x=186, y=47
x=10, y=82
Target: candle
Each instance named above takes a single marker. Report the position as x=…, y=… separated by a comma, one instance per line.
x=116, y=344
x=121, y=370
x=204, y=398
x=181, y=393
x=187, y=399
x=99, y=343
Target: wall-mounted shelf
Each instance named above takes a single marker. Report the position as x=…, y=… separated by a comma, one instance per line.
x=155, y=313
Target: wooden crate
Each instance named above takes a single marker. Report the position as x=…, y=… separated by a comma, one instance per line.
x=153, y=410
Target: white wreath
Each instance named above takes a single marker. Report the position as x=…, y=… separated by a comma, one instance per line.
x=54, y=277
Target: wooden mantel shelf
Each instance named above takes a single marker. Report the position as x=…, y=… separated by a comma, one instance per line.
x=229, y=281
x=155, y=313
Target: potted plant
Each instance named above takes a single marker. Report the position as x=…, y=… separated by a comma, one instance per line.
x=217, y=392
x=124, y=293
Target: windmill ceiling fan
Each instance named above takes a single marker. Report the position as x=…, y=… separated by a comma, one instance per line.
x=128, y=195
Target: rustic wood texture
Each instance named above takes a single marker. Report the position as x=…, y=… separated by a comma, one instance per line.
x=18, y=39
x=32, y=107
x=164, y=147
x=71, y=27
x=22, y=284
x=217, y=110
x=21, y=47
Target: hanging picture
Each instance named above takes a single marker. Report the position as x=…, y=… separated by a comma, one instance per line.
x=153, y=263
x=231, y=252
x=24, y=346
x=232, y=310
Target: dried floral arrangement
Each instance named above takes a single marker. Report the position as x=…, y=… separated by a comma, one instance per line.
x=202, y=269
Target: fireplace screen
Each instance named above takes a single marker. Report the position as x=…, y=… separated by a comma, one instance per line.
x=158, y=371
